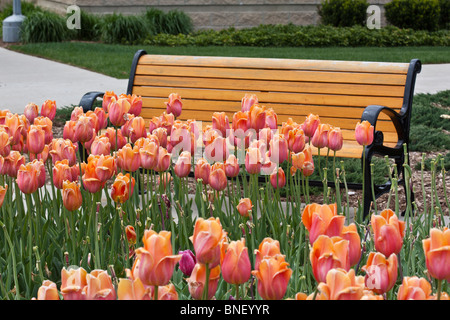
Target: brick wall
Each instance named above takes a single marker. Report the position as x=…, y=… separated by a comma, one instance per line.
x=212, y=14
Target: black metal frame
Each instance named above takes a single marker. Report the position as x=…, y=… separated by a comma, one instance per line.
x=400, y=120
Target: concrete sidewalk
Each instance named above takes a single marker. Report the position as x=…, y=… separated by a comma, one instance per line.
x=25, y=79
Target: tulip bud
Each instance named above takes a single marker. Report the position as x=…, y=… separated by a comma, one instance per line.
x=187, y=262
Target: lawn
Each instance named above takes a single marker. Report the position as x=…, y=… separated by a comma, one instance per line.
x=92, y=55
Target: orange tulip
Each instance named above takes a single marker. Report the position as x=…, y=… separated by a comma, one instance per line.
x=341, y=285
x=122, y=188
x=244, y=207
x=271, y=119
x=3, y=194
x=100, y=145
x=13, y=162
x=231, y=166
x=388, y=232
x=253, y=160
x=196, y=281
x=76, y=113
x=296, y=140
x=182, y=167
x=217, y=178
x=102, y=117
x=308, y=164
x=174, y=105
x=257, y=117
x=202, y=170
x=320, y=137
x=207, y=239
x=84, y=129
x=220, y=123
x=319, y=219
x=298, y=159
x=90, y=178
x=107, y=97
x=329, y=253
x=111, y=134
x=72, y=198
x=273, y=276
x=157, y=260
x=350, y=234
x=136, y=129
x=47, y=125
x=267, y=248
x=167, y=292
x=62, y=171
x=310, y=125
x=236, y=268
x=69, y=130
x=131, y=235
x=61, y=149
x=31, y=111
x=13, y=127
x=248, y=101
x=117, y=111
x=364, y=133
x=278, y=178
x=163, y=160
x=48, y=109
x=278, y=150
x=148, y=154
x=381, y=273
x=136, y=105
x=128, y=158
x=414, y=288
x=437, y=253
x=133, y=289
x=167, y=121
x=5, y=142
x=27, y=178
x=240, y=121
x=99, y=286
x=48, y=291
x=335, y=139
x=73, y=282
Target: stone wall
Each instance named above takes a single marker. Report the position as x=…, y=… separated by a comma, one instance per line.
x=212, y=14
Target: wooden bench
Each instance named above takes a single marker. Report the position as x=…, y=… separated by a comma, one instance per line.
x=340, y=92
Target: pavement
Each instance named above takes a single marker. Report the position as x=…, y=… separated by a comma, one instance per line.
x=25, y=79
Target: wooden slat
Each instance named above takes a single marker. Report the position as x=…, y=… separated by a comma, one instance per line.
x=273, y=63
x=282, y=75
x=270, y=97
x=273, y=86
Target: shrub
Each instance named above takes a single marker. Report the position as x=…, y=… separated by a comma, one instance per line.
x=415, y=14
x=444, y=19
x=117, y=28
x=173, y=22
x=343, y=13
x=90, y=27
x=44, y=26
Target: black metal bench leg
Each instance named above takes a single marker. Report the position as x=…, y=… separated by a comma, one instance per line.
x=367, y=188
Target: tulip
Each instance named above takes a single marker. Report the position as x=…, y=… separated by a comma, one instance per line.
x=111, y=133
x=267, y=248
x=207, y=239
x=47, y=125
x=187, y=262
x=100, y=146
x=13, y=162
x=240, y=121
x=73, y=282
x=236, y=268
x=364, y=133
x=76, y=113
x=244, y=207
x=217, y=178
x=27, y=178
x=48, y=109
x=69, y=131
x=278, y=150
x=248, y=101
x=136, y=105
x=61, y=149
x=253, y=160
x=414, y=288
x=148, y=154
x=317, y=219
x=84, y=129
x=133, y=289
x=341, y=285
x=5, y=142
x=62, y=171
x=157, y=261
x=217, y=149
x=308, y=164
x=298, y=160
x=94, y=119
x=220, y=123
x=167, y=121
x=257, y=117
x=72, y=198
x=31, y=111
x=202, y=170
x=320, y=137
x=13, y=127
x=117, y=111
x=3, y=194
x=90, y=178
x=128, y=158
x=296, y=140
x=107, y=97
x=182, y=167
x=329, y=253
x=388, y=232
x=381, y=273
x=231, y=166
x=39, y=166
x=167, y=292
x=335, y=139
x=351, y=234
x=271, y=119
x=130, y=232
x=35, y=139
x=310, y=125
x=174, y=105
x=437, y=253
x=197, y=281
x=48, y=291
x=99, y=286
x=122, y=188
x=273, y=276
x=163, y=160
x=136, y=129
x=102, y=117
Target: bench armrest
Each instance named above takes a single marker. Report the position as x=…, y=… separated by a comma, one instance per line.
x=88, y=99
x=371, y=114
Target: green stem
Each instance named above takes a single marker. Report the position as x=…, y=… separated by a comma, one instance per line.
x=14, y=264
x=155, y=296
x=206, y=287
x=439, y=289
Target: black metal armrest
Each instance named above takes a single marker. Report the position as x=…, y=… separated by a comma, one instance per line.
x=371, y=114
x=88, y=100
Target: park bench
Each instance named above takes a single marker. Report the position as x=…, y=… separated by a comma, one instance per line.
x=340, y=92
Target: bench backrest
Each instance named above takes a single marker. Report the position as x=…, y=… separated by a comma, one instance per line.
x=337, y=91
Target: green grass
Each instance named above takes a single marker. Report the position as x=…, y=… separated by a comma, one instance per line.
x=92, y=55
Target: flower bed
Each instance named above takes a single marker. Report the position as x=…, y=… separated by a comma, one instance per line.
x=118, y=221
